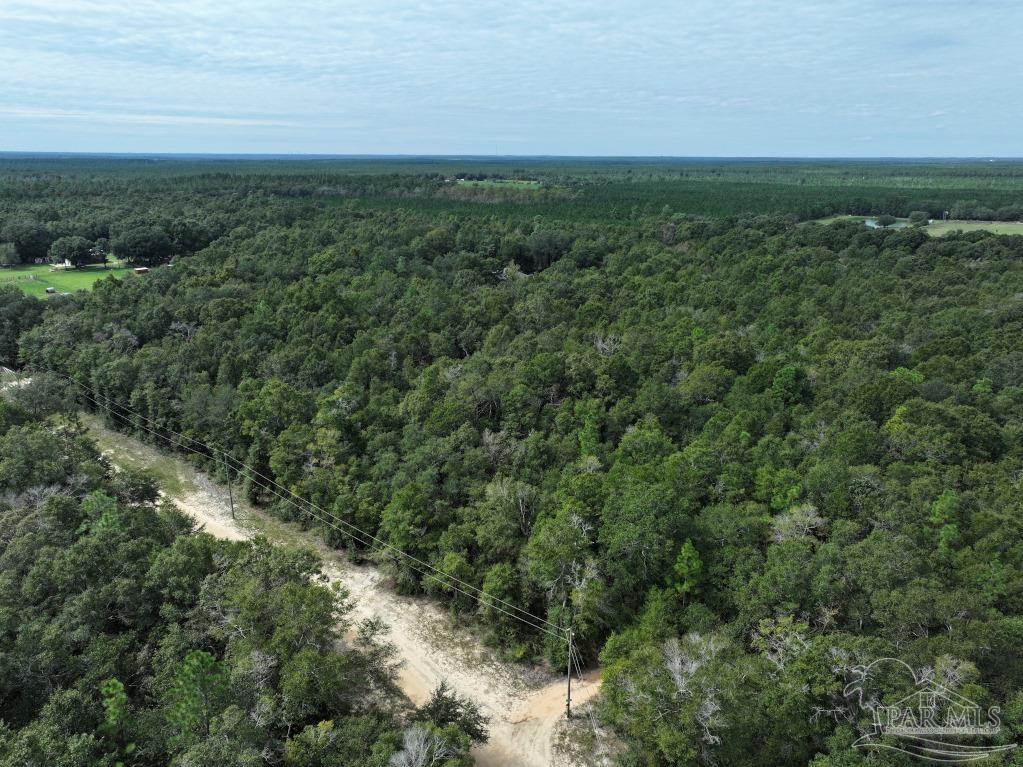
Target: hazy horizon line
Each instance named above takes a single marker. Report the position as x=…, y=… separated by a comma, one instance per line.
x=470, y=156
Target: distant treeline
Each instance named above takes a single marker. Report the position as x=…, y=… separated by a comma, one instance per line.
x=584, y=189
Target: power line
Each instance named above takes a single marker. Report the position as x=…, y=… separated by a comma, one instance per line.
x=368, y=539
x=445, y=584
x=577, y=661
x=484, y=601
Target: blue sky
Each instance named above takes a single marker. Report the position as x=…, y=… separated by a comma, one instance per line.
x=683, y=78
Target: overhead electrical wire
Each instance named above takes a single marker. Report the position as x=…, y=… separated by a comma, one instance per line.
x=331, y=520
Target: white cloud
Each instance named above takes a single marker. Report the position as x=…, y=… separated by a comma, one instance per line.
x=135, y=118
x=704, y=76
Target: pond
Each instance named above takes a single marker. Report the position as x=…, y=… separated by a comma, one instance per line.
x=872, y=223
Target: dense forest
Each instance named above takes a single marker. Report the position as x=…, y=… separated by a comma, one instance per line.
x=126, y=638
x=737, y=452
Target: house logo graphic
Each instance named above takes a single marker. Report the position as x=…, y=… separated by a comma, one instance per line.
x=933, y=722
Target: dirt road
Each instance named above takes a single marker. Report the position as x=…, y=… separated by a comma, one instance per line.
x=525, y=707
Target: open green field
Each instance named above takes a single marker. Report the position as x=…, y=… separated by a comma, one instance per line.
x=34, y=279
x=501, y=183
x=839, y=217
x=941, y=228
x=900, y=223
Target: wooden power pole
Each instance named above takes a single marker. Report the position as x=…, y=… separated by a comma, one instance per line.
x=568, y=697
x=230, y=492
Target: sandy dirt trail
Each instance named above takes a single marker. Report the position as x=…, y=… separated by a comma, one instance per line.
x=526, y=708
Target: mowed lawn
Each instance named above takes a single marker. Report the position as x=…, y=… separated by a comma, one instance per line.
x=940, y=228
x=34, y=279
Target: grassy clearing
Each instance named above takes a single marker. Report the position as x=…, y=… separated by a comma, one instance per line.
x=941, y=228
x=839, y=217
x=34, y=279
x=181, y=481
x=502, y=183
x=827, y=220
x=174, y=476
x=900, y=223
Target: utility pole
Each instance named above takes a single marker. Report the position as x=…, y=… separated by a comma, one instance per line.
x=568, y=698
x=230, y=492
